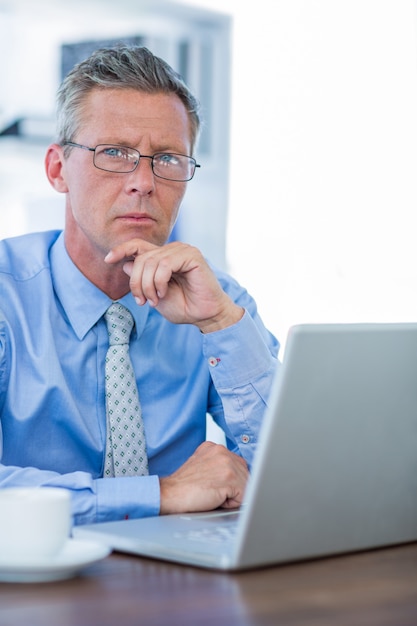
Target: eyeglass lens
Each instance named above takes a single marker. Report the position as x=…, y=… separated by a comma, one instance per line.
x=123, y=160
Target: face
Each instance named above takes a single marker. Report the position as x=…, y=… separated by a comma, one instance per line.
x=103, y=208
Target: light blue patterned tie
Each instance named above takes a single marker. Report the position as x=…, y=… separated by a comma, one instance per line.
x=125, y=446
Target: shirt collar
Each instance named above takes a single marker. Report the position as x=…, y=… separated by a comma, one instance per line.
x=83, y=302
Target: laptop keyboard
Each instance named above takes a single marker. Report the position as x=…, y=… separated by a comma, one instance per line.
x=210, y=534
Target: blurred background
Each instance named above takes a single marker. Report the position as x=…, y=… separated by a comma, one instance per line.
x=308, y=189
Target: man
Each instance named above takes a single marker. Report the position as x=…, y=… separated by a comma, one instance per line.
x=127, y=130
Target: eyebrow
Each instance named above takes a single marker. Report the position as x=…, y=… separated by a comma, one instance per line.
x=128, y=144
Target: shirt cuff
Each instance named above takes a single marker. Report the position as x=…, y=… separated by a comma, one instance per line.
x=127, y=497
x=238, y=354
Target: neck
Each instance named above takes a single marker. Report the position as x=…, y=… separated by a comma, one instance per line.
x=110, y=279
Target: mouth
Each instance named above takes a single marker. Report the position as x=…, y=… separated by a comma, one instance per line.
x=140, y=224
x=137, y=218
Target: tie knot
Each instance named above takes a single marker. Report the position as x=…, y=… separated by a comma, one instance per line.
x=119, y=323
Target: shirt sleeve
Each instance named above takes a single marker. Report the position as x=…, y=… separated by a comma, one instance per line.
x=93, y=500
x=242, y=361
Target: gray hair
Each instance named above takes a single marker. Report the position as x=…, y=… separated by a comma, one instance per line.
x=119, y=67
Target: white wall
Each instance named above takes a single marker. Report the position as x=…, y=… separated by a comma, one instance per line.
x=324, y=158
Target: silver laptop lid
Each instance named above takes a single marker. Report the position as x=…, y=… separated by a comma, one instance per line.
x=338, y=464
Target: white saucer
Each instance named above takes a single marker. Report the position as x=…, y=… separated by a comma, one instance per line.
x=76, y=555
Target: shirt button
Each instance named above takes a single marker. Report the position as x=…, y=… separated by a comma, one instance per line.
x=212, y=361
x=245, y=438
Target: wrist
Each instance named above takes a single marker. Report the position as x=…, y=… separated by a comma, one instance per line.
x=226, y=318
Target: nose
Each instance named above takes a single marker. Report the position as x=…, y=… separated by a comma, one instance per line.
x=142, y=179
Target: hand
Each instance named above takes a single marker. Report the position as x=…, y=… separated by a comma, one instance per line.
x=212, y=477
x=177, y=281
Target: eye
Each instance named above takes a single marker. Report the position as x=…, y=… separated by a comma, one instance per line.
x=115, y=152
x=166, y=159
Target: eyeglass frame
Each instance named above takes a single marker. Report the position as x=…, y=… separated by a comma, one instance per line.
x=146, y=156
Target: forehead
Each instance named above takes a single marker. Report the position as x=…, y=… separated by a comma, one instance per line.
x=126, y=115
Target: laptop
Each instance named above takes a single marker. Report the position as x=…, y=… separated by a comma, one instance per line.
x=336, y=464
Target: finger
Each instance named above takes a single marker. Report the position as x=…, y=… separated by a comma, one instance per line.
x=143, y=282
x=136, y=292
x=151, y=273
x=128, y=249
x=134, y=269
x=128, y=267
x=155, y=279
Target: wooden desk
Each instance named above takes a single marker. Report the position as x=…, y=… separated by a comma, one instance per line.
x=378, y=587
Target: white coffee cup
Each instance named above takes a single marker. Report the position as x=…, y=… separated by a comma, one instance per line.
x=35, y=523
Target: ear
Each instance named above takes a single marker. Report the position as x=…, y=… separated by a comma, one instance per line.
x=54, y=166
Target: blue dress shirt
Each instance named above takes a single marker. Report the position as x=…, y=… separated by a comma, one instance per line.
x=53, y=342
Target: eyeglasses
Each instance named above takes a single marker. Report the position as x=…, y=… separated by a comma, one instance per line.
x=122, y=160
